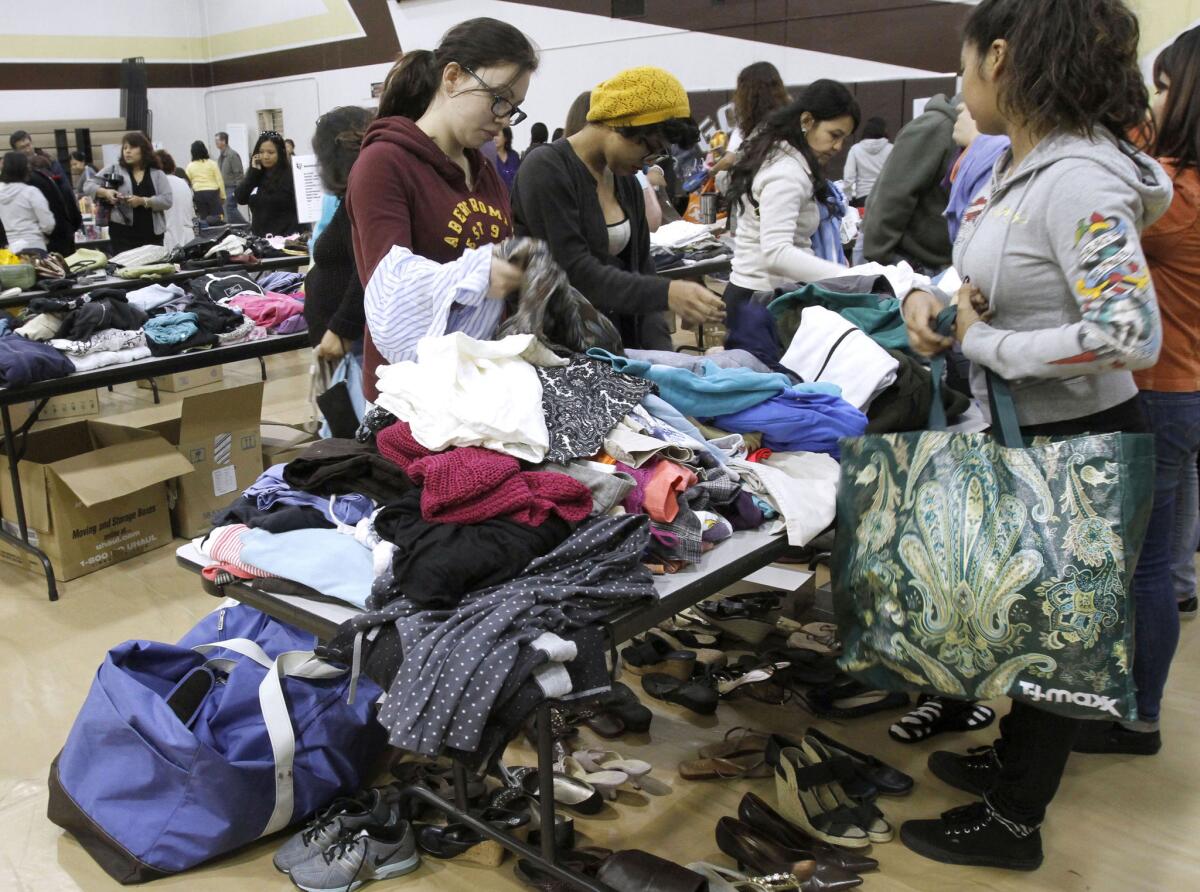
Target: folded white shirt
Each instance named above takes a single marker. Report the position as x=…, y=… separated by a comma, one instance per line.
x=830, y=349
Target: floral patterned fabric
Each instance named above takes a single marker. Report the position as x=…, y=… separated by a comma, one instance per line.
x=969, y=569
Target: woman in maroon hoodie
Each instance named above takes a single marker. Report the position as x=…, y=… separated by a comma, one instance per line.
x=425, y=206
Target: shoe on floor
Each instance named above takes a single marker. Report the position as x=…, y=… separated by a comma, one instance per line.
x=359, y=857
x=1113, y=737
x=375, y=808
x=975, y=771
x=1188, y=608
x=976, y=836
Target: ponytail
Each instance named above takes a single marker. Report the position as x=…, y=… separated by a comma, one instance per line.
x=477, y=43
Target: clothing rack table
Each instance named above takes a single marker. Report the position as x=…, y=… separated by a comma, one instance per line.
x=728, y=563
x=270, y=264
x=122, y=373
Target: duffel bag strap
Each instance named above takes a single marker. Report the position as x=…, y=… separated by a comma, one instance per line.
x=276, y=716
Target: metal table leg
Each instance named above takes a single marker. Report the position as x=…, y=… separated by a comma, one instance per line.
x=10, y=451
x=545, y=757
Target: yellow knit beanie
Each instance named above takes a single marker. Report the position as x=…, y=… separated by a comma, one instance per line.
x=639, y=96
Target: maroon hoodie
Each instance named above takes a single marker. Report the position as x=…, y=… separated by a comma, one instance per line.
x=404, y=190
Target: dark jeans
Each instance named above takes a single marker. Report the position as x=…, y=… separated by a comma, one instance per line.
x=1034, y=744
x=208, y=205
x=749, y=325
x=123, y=238
x=1175, y=420
x=232, y=214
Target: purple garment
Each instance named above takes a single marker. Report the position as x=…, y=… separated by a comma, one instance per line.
x=743, y=513
x=271, y=489
x=507, y=169
x=291, y=325
x=974, y=173
x=635, y=502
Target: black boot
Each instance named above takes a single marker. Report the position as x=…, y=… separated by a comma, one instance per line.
x=1113, y=737
x=977, y=836
x=975, y=772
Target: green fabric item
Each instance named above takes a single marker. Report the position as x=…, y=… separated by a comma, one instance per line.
x=86, y=259
x=977, y=571
x=878, y=316
x=152, y=271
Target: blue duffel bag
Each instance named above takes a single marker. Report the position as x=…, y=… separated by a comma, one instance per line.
x=186, y=751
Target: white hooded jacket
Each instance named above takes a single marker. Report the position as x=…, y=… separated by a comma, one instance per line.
x=26, y=216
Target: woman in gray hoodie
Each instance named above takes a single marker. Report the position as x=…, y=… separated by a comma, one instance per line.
x=24, y=212
x=1061, y=304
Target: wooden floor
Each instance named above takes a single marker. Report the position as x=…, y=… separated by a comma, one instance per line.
x=1119, y=824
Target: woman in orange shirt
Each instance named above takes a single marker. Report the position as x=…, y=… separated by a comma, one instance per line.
x=1165, y=581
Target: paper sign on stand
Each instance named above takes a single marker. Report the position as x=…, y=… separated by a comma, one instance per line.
x=309, y=194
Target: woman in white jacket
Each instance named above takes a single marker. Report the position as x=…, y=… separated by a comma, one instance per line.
x=866, y=160
x=26, y=215
x=779, y=188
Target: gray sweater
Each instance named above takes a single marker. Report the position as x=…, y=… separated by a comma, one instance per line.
x=1054, y=247
x=163, y=196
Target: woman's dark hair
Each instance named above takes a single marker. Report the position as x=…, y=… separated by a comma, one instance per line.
x=507, y=131
x=15, y=168
x=825, y=100
x=336, y=143
x=137, y=139
x=279, y=175
x=759, y=92
x=199, y=151
x=477, y=43
x=874, y=128
x=290, y=142
x=165, y=161
x=577, y=113
x=1070, y=64
x=681, y=132
x=538, y=134
x=1177, y=70
x=79, y=156
x=558, y=133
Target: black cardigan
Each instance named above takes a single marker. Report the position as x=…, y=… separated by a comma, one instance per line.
x=554, y=199
x=273, y=206
x=333, y=294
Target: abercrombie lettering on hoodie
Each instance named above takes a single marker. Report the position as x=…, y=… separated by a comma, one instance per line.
x=1054, y=247
x=405, y=191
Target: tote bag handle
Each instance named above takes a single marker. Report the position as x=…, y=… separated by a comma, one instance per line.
x=1005, y=426
x=276, y=717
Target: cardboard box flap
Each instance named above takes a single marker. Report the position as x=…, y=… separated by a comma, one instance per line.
x=119, y=470
x=232, y=409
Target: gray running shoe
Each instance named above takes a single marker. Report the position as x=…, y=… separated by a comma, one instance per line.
x=375, y=808
x=360, y=856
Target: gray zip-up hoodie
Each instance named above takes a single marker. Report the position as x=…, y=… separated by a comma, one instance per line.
x=1054, y=247
x=26, y=216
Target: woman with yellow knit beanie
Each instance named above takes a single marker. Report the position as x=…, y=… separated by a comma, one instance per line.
x=582, y=197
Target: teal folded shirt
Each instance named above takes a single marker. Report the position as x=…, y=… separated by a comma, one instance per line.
x=875, y=314
x=712, y=391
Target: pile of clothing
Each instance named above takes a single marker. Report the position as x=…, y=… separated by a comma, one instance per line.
x=682, y=243
x=108, y=326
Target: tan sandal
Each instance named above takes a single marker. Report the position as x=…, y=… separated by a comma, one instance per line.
x=733, y=768
x=735, y=744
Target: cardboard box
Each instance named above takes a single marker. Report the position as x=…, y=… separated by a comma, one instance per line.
x=181, y=381
x=69, y=405
x=217, y=433
x=95, y=494
x=282, y=443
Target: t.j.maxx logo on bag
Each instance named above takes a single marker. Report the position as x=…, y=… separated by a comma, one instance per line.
x=1034, y=694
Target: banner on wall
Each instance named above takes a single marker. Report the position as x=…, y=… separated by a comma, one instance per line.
x=309, y=194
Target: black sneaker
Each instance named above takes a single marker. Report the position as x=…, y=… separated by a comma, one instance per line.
x=1188, y=608
x=975, y=772
x=975, y=835
x=1113, y=737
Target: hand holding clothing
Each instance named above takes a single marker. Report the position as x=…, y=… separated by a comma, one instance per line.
x=920, y=310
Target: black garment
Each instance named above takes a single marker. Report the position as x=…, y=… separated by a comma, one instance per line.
x=67, y=218
x=905, y=404
x=123, y=237
x=554, y=199
x=435, y=564
x=112, y=310
x=213, y=318
x=583, y=401
x=333, y=293
x=278, y=519
x=273, y=202
x=207, y=204
x=750, y=325
x=335, y=467
x=1034, y=744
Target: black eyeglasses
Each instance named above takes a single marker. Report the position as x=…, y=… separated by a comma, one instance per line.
x=501, y=107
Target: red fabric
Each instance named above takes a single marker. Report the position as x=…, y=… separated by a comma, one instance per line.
x=404, y=190
x=759, y=455
x=473, y=484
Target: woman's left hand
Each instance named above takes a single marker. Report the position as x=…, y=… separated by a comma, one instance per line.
x=136, y=201
x=972, y=308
